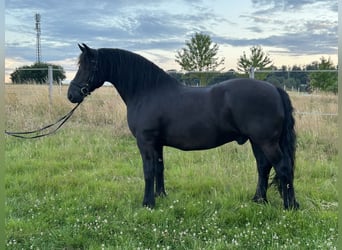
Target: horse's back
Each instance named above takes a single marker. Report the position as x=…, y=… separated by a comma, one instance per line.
x=248, y=86
x=252, y=95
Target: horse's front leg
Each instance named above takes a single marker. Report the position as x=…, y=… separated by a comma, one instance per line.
x=160, y=188
x=150, y=157
x=149, y=174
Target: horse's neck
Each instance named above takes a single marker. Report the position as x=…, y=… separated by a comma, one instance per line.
x=133, y=79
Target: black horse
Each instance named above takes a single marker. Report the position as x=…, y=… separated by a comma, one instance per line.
x=163, y=112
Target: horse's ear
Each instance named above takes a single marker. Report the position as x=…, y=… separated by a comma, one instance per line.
x=84, y=47
x=81, y=48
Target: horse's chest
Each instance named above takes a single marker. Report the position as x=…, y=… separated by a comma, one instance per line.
x=140, y=120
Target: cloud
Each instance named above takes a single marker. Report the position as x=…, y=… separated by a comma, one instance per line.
x=286, y=5
x=294, y=43
x=293, y=26
x=274, y=7
x=255, y=29
x=160, y=27
x=64, y=23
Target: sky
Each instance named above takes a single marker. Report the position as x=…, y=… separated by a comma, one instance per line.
x=292, y=32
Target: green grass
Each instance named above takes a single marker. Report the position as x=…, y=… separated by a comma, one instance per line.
x=83, y=188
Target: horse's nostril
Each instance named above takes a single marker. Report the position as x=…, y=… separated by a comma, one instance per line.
x=70, y=97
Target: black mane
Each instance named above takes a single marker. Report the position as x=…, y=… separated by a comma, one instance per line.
x=132, y=73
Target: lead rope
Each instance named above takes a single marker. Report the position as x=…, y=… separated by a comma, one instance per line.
x=28, y=134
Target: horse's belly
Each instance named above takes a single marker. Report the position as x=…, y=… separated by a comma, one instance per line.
x=200, y=141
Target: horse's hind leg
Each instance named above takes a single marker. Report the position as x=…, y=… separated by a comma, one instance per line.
x=160, y=189
x=284, y=171
x=264, y=168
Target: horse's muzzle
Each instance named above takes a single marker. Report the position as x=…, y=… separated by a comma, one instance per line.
x=76, y=95
x=73, y=99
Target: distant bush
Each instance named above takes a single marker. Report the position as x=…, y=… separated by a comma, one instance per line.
x=37, y=73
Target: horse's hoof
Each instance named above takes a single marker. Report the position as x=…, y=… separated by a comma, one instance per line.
x=294, y=206
x=160, y=194
x=291, y=206
x=150, y=205
x=260, y=200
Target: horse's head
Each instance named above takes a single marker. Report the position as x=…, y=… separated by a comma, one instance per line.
x=87, y=78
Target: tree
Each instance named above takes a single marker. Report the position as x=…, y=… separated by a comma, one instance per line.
x=220, y=77
x=326, y=79
x=299, y=75
x=289, y=77
x=199, y=54
x=258, y=60
x=37, y=73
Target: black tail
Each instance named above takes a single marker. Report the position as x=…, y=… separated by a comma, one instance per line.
x=288, y=136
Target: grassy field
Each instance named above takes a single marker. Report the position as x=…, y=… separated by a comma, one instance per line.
x=82, y=188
